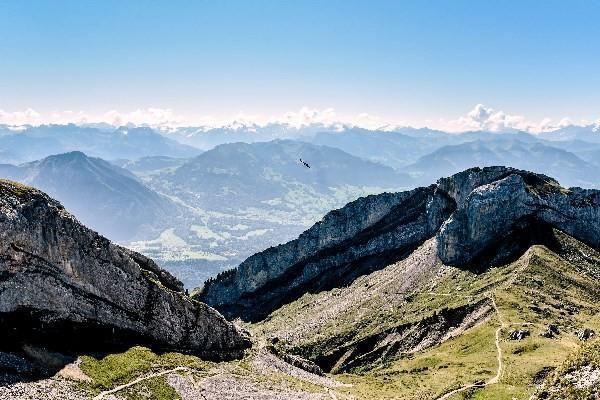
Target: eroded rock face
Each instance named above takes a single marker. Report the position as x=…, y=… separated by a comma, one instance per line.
x=364, y=236
x=470, y=213
x=493, y=212
x=63, y=285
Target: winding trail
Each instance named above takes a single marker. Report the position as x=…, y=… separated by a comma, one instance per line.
x=503, y=325
x=496, y=378
x=138, y=380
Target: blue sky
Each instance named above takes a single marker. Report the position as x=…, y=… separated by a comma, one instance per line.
x=414, y=61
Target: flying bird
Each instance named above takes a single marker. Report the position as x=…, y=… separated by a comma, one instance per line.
x=305, y=163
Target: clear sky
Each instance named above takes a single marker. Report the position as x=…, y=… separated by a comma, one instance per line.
x=411, y=61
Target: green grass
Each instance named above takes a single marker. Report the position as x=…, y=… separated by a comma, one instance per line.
x=120, y=368
x=547, y=288
x=151, y=389
x=381, y=309
x=465, y=359
x=558, y=386
x=16, y=188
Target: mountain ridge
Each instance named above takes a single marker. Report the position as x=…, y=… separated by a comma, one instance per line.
x=447, y=210
x=124, y=207
x=66, y=287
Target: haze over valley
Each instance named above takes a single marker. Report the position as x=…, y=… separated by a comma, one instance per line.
x=201, y=210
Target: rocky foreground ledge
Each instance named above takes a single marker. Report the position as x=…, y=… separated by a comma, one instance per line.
x=480, y=217
x=65, y=287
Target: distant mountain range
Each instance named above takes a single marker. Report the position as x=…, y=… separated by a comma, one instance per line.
x=241, y=197
x=199, y=212
x=201, y=215
x=569, y=169
x=33, y=143
x=590, y=133
x=253, y=175
x=150, y=165
x=105, y=197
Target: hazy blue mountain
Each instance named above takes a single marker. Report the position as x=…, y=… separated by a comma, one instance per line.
x=34, y=143
x=589, y=133
x=240, y=198
x=591, y=155
x=12, y=172
x=391, y=148
x=150, y=165
x=404, y=146
x=103, y=196
x=587, y=151
x=248, y=174
x=569, y=169
x=208, y=138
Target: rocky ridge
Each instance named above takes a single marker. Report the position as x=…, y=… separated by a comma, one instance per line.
x=64, y=286
x=470, y=214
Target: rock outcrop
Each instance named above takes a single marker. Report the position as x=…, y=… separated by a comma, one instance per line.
x=64, y=286
x=516, y=202
x=365, y=235
x=518, y=334
x=473, y=214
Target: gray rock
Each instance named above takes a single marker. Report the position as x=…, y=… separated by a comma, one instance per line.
x=513, y=202
x=63, y=285
x=586, y=334
x=518, y=334
x=379, y=229
x=297, y=361
x=550, y=332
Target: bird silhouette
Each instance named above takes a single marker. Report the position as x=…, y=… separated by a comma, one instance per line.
x=305, y=163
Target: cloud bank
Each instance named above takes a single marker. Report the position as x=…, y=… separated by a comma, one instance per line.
x=487, y=119
x=480, y=117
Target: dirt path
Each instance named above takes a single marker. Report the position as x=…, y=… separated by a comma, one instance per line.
x=496, y=378
x=138, y=380
x=503, y=325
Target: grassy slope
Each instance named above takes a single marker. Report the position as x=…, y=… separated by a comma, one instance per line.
x=120, y=368
x=113, y=370
x=538, y=289
x=560, y=386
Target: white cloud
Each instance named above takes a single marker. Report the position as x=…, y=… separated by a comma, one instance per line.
x=28, y=116
x=487, y=119
x=148, y=116
x=305, y=116
x=479, y=118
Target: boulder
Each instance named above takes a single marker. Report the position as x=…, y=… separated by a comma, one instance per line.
x=586, y=334
x=518, y=334
x=550, y=332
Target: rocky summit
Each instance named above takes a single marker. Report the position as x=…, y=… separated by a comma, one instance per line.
x=65, y=287
x=479, y=217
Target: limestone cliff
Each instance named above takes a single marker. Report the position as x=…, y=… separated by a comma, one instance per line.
x=470, y=213
x=62, y=285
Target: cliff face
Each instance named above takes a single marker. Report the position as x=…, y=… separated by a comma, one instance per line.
x=470, y=213
x=65, y=286
x=514, y=203
x=364, y=236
